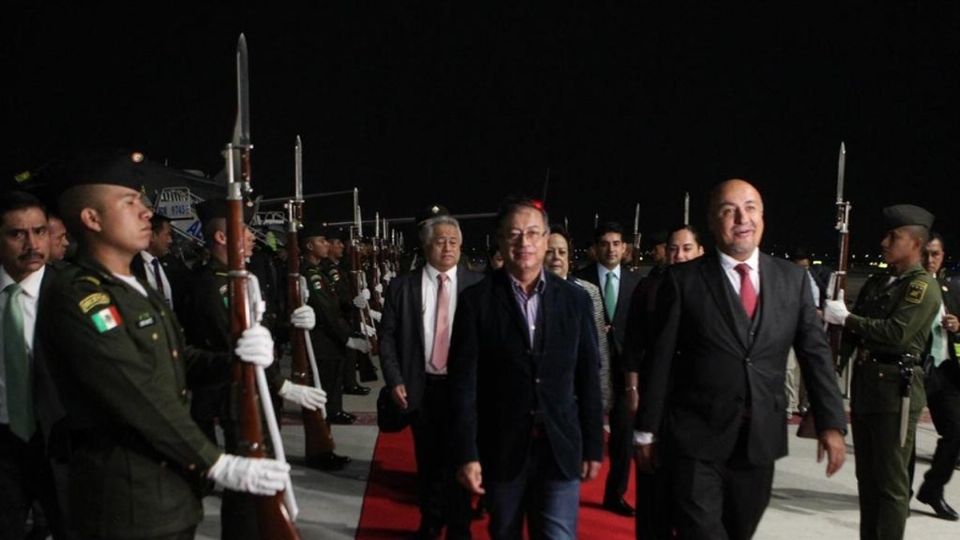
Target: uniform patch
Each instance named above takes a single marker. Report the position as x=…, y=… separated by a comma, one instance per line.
x=316, y=282
x=106, y=319
x=145, y=320
x=93, y=300
x=224, y=289
x=89, y=279
x=915, y=291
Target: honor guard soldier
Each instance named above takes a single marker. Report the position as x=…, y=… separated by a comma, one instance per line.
x=889, y=326
x=332, y=337
x=120, y=364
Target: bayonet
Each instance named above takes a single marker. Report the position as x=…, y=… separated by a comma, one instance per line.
x=686, y=208
x=841, y=171
x=241, y=127
x=298, y=171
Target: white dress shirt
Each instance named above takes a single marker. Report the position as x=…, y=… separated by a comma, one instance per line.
x=151, y=278
x=729, y=265
x=429, y=287
x=28, y=305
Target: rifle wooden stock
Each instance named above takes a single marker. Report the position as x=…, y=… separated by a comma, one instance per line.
x=272, y=517
x=318, y=439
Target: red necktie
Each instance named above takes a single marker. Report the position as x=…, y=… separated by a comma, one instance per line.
x=441, y=332
x=748, y=295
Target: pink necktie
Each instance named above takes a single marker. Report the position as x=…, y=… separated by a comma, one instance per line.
x=441, y=332
x=748, y=295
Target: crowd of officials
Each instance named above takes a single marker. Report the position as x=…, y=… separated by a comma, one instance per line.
x=118, y=410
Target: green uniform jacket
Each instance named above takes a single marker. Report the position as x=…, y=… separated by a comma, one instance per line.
x=330, y=334
x=205, y=314
x=890, y=319
x=119, y=362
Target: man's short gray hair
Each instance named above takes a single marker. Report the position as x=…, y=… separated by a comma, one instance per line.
x=429, y=226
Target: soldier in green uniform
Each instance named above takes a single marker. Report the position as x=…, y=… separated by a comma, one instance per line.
x=120, y=363
x=888, y=328
x=332, y=337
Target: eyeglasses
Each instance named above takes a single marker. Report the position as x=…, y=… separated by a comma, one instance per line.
x=530, y=235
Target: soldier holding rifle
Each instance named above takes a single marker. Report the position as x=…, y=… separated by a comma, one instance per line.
x=889, y=327
x=119, y=359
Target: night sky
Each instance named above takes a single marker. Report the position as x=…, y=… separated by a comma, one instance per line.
x=417, y=103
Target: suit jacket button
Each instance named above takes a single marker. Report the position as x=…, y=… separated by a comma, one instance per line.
x=747, y=360
x=537, y=380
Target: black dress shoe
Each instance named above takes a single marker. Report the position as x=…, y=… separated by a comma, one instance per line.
x=940, y=506
x=328, y=462
x=620, y=507
x=342, y=418
x=357, y=390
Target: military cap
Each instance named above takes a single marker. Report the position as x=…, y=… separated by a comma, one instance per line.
x=311, y=230
x=114, y=167
x=901, y=215
x=431, y=212
x=337, y=233
x=659, y=237
x=217, y=208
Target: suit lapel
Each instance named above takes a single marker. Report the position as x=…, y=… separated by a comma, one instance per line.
x=504, y=295
x=416, y=292
x=769, y=290
x=717, y=285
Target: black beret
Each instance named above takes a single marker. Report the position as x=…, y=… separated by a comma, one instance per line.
x=901, y=215
x=217, y=208
x=114, y=167
x=431, y=212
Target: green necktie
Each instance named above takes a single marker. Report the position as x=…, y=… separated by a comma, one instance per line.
x=938, y=341
x=17, y=365
x=610, y=296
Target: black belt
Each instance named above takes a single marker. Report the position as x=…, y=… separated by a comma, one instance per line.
x=891, y=359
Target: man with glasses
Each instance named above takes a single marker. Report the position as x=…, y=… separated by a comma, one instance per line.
x=525, y=386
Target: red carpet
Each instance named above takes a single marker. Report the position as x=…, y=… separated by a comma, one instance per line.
x=390, y=503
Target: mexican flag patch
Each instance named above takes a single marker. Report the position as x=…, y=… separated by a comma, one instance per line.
x=106, y=319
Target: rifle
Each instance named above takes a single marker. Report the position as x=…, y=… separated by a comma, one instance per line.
x=635, y=254
x=358, y=278
x=275, y=514
x=838, y=282
x=376, y=272
x=318, y=439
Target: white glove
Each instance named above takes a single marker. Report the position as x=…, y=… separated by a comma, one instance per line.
x=366, y=293
x=360, y=302
x=250, y=475
x=835, y=312
x=375, y=315
x=307, y=397
x=378, y=287
x=358, y=344
x=303, y=318
x=255, y=346
x=369, y=331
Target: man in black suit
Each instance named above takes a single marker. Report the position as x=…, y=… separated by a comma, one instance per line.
x=414, y=347
x=150, y=266
x=943, y=384
x=28, y=404
x=713, y=400
x=616, y=284
x=524, y=372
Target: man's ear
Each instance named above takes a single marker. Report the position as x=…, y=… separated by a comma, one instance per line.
x=220, y=237
x=91, y=219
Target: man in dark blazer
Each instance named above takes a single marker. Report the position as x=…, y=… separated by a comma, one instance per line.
x=414, y=348
x=524, y=372
x=713, y=402
x=29, y=407
x=616, y=284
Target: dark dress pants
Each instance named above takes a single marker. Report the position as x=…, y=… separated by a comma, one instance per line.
x=443, y=502
x=943, y=400
x=620, y=445
x=330, y=370
x=25, y=477
x=720, y=500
